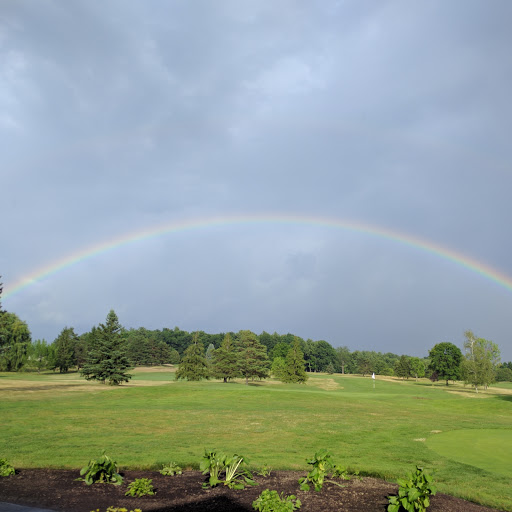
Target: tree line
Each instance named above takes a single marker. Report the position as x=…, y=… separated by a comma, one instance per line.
x=479, y=366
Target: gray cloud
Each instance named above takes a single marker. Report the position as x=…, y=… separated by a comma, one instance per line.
x=118, y=116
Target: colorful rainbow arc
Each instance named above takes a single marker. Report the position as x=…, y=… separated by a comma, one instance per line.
x=174, y=227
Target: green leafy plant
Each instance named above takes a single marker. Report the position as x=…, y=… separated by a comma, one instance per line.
x=237, y=477
x=102, y=470
x=212, y=464
x=265, y=470
x=217, y=465
x=343, y=473
x=171, y=469
x=413, y=493
x=322, y=464
x=140, y=487
x=271, y=501
x=5, y=468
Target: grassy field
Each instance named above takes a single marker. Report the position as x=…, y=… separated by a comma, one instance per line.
x=62, y=421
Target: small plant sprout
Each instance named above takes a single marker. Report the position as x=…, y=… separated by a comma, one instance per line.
x=140, y=487
x=171, y=469
x=413, y=493
x=265, y=470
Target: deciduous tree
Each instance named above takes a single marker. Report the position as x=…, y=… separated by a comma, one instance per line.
x=65, y=349
x=481, y=361
x=445, y=360
x=14, y=342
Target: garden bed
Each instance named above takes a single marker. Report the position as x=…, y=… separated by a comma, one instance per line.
x=59, y=490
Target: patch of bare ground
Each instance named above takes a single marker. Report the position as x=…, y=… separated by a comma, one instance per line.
x=60, y=491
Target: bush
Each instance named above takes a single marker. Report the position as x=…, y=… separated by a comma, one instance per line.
x=414, y=492
x=271, y=501
x=5, y=468
x=102, y=470
x=140, y=487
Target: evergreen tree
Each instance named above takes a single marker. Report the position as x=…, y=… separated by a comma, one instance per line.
x=294, y=370
x=193, y=364
x=65, y=349
x=252, y=356
x=107, y=360
x=224, y=360
x=278, y=368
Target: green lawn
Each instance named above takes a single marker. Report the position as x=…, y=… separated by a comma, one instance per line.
x=63, y=421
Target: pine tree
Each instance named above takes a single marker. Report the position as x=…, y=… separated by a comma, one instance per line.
x=224, y=360
x=252, y=357
x=294, y=364
x=107, y=360
x=193, y=364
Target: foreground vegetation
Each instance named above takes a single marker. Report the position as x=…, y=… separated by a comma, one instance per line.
x=62, y=421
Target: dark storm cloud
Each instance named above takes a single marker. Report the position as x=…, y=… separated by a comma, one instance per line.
x=116, y=116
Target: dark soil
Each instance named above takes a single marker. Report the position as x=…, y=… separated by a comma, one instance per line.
x=59, y=490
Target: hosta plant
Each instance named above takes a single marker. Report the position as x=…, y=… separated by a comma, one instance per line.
x=225, y=469
x=322, y=464
x=413, y=493
x=5, y=468
x=271, y=501
x=102, y=470
x=171, y=469
x=140, y=487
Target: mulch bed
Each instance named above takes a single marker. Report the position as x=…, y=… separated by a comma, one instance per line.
x=59, y=490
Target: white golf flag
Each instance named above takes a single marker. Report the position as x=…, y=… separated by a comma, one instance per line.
x=373, y=376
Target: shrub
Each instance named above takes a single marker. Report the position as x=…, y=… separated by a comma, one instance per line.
x=5, y=468
x=171, y=469
x=414, y=492
x=271, y=501
x=344, y=473
x=140, y=487
x=102, y=470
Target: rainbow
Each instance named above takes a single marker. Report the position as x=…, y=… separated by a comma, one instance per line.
x=232, y=220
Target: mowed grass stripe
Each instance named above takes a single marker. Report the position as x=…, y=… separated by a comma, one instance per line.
x=381, y=431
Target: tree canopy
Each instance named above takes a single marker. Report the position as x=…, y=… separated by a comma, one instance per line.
x=445, y=360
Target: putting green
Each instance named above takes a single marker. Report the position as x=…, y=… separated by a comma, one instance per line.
x=489, y=449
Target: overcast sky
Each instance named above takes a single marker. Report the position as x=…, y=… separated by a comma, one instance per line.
x=118, y=116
